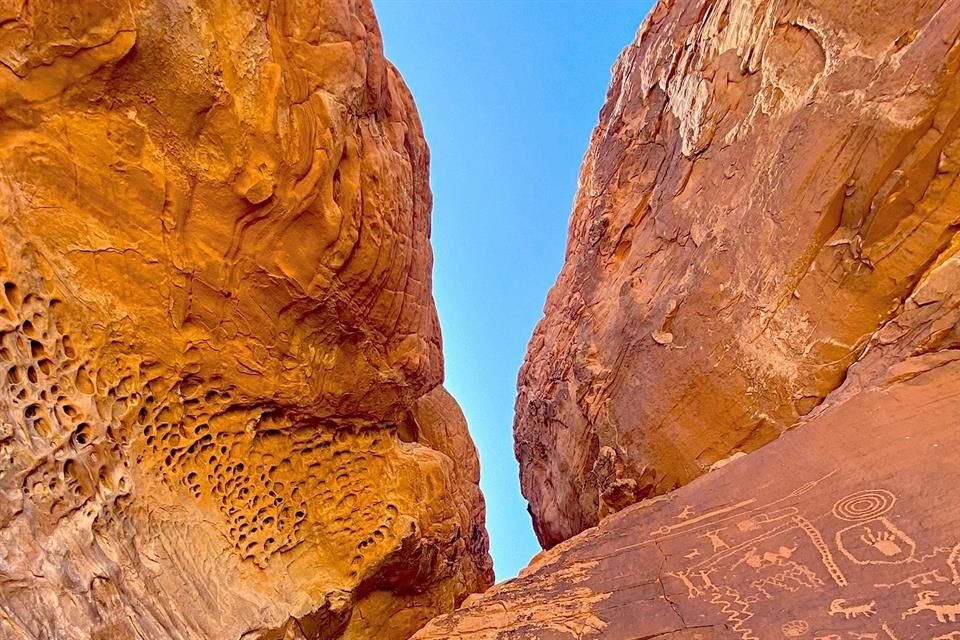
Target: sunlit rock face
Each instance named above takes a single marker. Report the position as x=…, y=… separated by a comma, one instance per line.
x=767, y=185
x=220, y=363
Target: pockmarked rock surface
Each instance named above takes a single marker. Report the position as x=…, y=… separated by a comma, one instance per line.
x=846, y=528
x=767, y=185
x=221, y=411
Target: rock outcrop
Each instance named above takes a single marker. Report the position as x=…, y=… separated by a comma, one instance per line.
x=768, y=184
x=843, y=529
x=221, y=411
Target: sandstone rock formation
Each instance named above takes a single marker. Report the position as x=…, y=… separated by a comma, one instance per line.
x=220, y=367
x=845, y=528
x=768, y=184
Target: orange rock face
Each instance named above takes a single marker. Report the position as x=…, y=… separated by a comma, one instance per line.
x=843, y=529
x=768, y=185
x=220, y=366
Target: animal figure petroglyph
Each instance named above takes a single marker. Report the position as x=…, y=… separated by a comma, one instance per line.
x=944, y=612
x=769, y=558
x=839, y=607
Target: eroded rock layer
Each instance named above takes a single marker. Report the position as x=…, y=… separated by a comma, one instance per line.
x=843, y=529
x=768, y=183
x=220, y=403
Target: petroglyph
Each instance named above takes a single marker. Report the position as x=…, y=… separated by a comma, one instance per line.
x=759, y=552
x=716, y=540
x=864, y=505
x=840, y=607
x=944, y=612
x=953, y=561
x=693, y=591
x=876, y=541
x=667, y=529
x=916, y=581
x=825, y=554
x=794, y=628
x=829, y=560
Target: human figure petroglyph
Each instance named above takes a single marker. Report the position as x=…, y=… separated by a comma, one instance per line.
x=747, y=522
x=715, y=539
x=768, y=540
x=944, y=612
x=693, y=591
x=840, y=607
x=707, y=582
x=667, y=529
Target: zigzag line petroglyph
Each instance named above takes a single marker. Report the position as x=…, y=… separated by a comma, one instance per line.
x=737, y=616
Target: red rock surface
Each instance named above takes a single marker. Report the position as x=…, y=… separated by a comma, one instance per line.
x=846, y=528
x=768, y=184
x=220, y=363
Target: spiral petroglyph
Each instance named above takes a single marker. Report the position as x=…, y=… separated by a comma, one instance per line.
x=864, y=505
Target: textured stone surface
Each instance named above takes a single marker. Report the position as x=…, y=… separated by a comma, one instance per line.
x=768, y=183
x=220, y=411
x=846, y=528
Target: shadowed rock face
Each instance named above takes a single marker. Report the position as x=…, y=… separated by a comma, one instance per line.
x=768, y=183
x=220, y=403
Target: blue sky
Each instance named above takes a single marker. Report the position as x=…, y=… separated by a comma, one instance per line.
x=509, y=92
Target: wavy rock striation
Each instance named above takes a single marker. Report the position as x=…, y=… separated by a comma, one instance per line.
x=220, y=364
x=768, y=184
